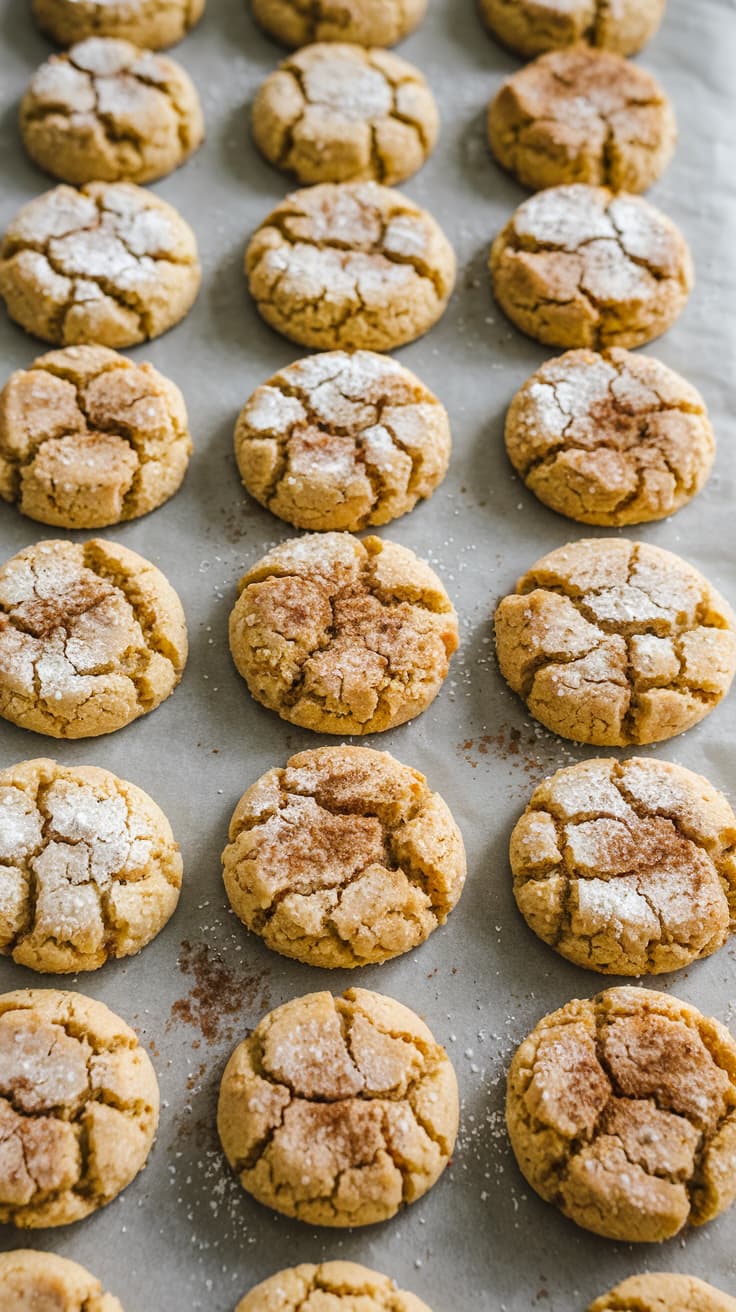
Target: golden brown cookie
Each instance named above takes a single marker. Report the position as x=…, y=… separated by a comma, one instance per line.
x=110, y=264
x=622, y=1112
x=339, y=1111
x=339, y=1286
x=350, y=264
x=91, y=637
x=343, y=636
x=627, y=867
x=78, y=1107
x=343, y=858
x=342, y=440
x=107, y=111
x=610, y=439
x=365, y=22
x=148, y=23
x=663, y=1292
x=580, y=266
x=32, y=1281
x=616, y=643
x=341, y=113
x=88, y=438
x=532, y=26
x=582, y=115
x=89, y=867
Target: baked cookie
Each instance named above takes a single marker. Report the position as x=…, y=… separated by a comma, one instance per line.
x=582, y=115
x=341, y=635
x=91, y=637
x=610, y=439
x=616, y=643
x=343, y=113
x=532, y=26
x=365, y=22
x=622, y=1112
x=580, y=266
x=344, y=858
x=107, y=111
x=350, y=264
x=144, y=22
x=111, y=265
x=88, y=438
x=342, y=441
x=627, y=867
x=341, y=1286
x=663, y=1292
x=90, y=870
x=78, y=1107
x=31, y=1281
x=339, y=1111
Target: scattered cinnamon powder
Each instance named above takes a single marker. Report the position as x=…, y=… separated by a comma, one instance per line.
x=221, y=1000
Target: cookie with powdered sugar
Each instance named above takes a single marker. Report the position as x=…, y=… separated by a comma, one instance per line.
x=365, y=22
x=344, y=1286
x=532, y=26
x=147, y=23
x=32, y=1279
x=664, y=1292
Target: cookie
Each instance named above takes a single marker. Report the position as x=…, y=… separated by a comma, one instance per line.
x=90, y=870
x=342, y=441
x=32, y=1281
x=110, y=265
x=622, y=1112
x=616, y=643
x=580, y=266
x=582, y=115
x=532, y=26
x=343, y=636
x=341, y=113
x=610, y=439
x=352, y=265
x=91, y=637
x=79, y=1107
x=365, y=22
x=144, y=22
x=341, y=1286
x=663, y=1292
x=88, y=438
x=107, y=111
x=339, y=1111
x=627, y=867
x=343, y=858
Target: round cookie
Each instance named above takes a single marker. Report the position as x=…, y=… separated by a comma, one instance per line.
x=341, y=113
x=110, y=264
x=79, y=1107
x=352, y=265
x=364, y=22
x=90, y=870
x=342, y=440
x=580, y=266
x=343, y=858
x=88, y=438
x=663, y=1292
x=32, y=1281
x=627, y=867
x=616, y=643
x=339, y=1111
x=621, y=1111
x=147, y=23
x=532, y=26
x=610, y=439
x=91, y=637
x=341, y=635
x=107, y=111
x=341, y=1286
x=582, y=115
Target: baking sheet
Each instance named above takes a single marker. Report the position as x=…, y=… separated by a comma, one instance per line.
x=184, y=1235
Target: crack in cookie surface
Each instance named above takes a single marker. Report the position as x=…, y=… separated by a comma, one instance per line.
x=151, y=24
x=364, y=22
x=33, y=1279
x=344, y=1285
x=664, y=1292
x=532, y=27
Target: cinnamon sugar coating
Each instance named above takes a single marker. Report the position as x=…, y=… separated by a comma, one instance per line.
x=664, y=1292
x=33, y=1281
x=341, y=1286
x=366, y=22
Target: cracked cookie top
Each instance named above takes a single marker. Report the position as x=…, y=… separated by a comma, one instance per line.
x=147, y=23
x=663, y=1292
x=342, y=440
x=341, y=1286
x=532, y=26
x=343, y=858
x=352, y=265
x=88, y=867
x=341, y=113
x=339, y=1111
x=622, y=1112
x=107, y=111
x=615, y=643
x=91, y=636
x=31, y=1280
x=628, y=868
x=610, y=439
x=88, y=438
x=78, y=1107
x=341, y=635
x=365, y=22
x=582, y=115
x=582, y=266
x=110, y=264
